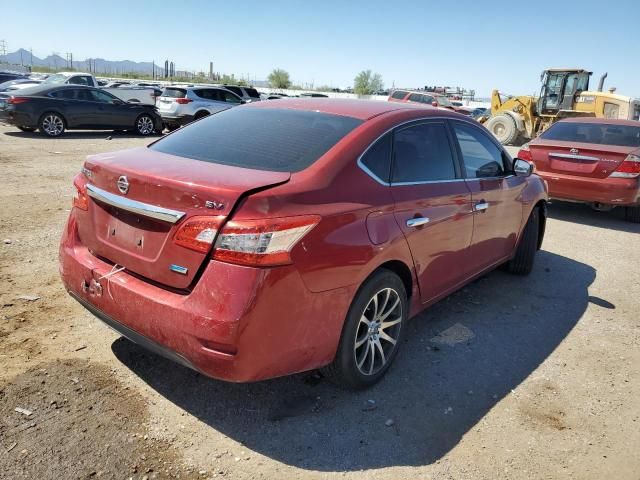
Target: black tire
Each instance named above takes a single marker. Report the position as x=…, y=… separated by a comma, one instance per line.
x=51, y=124
x=201, y=114
x=504, y=128
x=145, y=125
x=355, y=366
x=522, y=262
x=27, y=129
x=632, y=214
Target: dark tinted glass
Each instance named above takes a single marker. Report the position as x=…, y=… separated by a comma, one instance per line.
x=482, y=158
x=235, y=90
x=422, y=153
x=378, y=158
x=399, y=94
x=174, y=92
x=67, y=94
x=416, y=97
x=596, y=133
x=252, y=92
x=259, y=138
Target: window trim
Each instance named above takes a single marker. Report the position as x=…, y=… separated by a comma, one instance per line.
x=452, y=143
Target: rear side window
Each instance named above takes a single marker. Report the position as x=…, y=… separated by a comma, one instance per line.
x=67, y=94
x=235, y=90
x=399, y=94
x=482, y=158
x=596, y=133
x=252, y=92
x=416, y=97
x=422, y=153
x=174, y=92
x=259, y=138
x=378, y=158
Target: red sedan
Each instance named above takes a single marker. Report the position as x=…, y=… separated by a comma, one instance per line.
x=272, y=239
x=590, y=160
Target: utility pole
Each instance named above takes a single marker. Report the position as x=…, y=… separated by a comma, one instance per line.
x=3, y=47
x=31, y=52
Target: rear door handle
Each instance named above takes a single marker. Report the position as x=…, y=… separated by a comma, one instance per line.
x=480, y=207
x=417, y=222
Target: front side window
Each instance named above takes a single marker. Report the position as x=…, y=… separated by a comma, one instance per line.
x=235, y=90
x=422, y=153
x=399, y=94
x=229, y=97
x=482, y=158
x=378, y=158
x=416, y=97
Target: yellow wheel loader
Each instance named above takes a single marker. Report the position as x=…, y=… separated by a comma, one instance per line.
x=565, y=93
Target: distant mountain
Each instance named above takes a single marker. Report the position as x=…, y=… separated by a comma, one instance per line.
x=96, y=65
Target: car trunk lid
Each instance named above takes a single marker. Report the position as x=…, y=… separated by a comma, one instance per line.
x=578, y=159
x=140, y=198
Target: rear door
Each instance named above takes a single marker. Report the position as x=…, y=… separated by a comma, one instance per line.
x=77, y=110
x=584, y=149
x=433, y=205
x=495, y=191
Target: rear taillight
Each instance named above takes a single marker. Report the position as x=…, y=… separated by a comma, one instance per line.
x=629, y=168
x=16, y=100
x=262, y=242
x=525, y=153
x=198, y=233
x=183, y=101
x=80, y=199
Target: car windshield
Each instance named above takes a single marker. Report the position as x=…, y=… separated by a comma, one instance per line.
x=57, y=78
x=596, y=133
x=259, y=138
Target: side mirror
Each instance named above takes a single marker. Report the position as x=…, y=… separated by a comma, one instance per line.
x=522, y=168
x=434, y=104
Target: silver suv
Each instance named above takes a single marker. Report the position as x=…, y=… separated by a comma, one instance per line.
x=180, y=105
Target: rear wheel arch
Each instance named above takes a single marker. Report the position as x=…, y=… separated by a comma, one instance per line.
x=401, y=269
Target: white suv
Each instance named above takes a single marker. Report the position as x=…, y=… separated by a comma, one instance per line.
x=180, y=105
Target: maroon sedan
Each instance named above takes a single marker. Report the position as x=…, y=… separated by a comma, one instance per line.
x=277, y=238
x=590, y=160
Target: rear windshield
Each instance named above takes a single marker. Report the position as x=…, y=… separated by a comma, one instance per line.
x=174, y=92
x=259, y=138
x=596, y=133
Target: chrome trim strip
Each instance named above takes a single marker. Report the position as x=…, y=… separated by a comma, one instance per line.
x=133, y=206
x=572, y=156
x=417, y=222
x=178, y=269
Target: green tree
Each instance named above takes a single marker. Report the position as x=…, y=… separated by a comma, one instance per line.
x=366, y=83
x=279, y=78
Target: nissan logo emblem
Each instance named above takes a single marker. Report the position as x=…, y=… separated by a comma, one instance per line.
x=123, y=184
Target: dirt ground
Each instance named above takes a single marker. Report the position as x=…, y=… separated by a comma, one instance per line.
x=519, y=378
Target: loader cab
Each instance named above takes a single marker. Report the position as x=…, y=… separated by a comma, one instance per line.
x=560, y=88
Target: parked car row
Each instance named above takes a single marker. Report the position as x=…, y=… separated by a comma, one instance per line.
x=429, y=98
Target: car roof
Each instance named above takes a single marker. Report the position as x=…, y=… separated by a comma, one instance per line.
x=360, y=109
x=605, y=121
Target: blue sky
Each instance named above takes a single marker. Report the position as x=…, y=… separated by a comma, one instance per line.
x=472, y=44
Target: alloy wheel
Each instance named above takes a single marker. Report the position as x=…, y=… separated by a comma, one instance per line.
x=52, y=125
x=145, y=125
x=378, y=331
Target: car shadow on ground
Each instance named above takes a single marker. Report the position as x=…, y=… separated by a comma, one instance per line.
x=81, y=135
x=433, y=393
x=585, y=215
